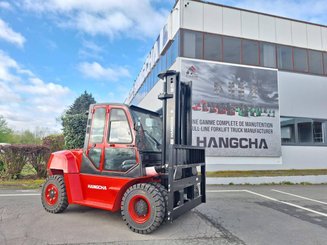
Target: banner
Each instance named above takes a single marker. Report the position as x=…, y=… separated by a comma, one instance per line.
x=235, y=109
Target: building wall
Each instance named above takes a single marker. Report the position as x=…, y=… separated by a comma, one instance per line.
x=300, y=95
x=293, y=157
x=151, y=101
x=217, y=19
x=293, y=88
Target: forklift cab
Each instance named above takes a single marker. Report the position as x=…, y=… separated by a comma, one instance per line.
x=116, y=138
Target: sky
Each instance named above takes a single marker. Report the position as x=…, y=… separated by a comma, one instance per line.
x=51, y=51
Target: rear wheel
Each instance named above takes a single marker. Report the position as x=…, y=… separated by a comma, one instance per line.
x=54, y=197
x=143, y=208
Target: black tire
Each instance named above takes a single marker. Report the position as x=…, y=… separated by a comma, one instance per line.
x=143, y=208
x=196, y=191
x=53, y=196
x=164, y=193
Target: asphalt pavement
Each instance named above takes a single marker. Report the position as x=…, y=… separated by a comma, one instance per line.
x=232, y=215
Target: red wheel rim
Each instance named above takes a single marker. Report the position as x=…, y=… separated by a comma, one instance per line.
x=136, y=203
x=51, y=194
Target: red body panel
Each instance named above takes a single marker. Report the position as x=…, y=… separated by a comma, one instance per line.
x=73, y=187
x=67, y=161
x=97, y=191
x=106, y=192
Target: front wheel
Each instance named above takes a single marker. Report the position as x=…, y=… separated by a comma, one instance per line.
x=54, y=197
x=143, y=208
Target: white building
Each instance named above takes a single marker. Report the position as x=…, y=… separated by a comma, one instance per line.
x=259, y=84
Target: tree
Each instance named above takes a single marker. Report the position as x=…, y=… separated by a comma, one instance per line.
x=74, y=121
x=5, y=131
x=81, y=104
x=74, y=127
x=28, y=137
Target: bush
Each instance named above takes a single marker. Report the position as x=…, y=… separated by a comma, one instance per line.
x=2, y=166
x=38, y=158
x=54, y=142
x=14, y=158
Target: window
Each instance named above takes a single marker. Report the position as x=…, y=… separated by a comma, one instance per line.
x=168, y=52
x=148, y=130
x=300, y=59
x=155, y=72
x=119, y=130
x=175, y=49
x=303, y=131
x=232, y=50
x=287, y=130
x=159, y=64
x=315, y=62
x=119, y=159
x=325, y=63
x=164, y=62
x=318, y=132
x=250, y=52
x=99, y=120
x=95, y=156
x=268, y=55
x=192, y=44
x=284, y=55
x=212, y=47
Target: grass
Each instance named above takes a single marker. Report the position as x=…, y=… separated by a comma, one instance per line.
x=21, y=184
x=29, y=183
x=27, y=180
x=260, y=173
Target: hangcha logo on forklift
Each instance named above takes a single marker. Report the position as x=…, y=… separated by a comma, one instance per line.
x=97, y=187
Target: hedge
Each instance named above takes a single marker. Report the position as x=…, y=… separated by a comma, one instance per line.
x=14, y=157
x=54, y=142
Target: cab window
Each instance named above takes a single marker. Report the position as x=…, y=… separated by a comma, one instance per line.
x=119, y=159
x=96, y=136
x=99, y=120
x=119, y=130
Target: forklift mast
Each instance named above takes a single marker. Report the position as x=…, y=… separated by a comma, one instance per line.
x=181, y=160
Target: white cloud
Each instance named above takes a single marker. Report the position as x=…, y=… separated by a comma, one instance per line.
x=5, y=5
x=96, y=71
x=109, y=24
x=26, y=101
x=9, y=35
x=105, y=17
x=91, y=50
x=37, y=87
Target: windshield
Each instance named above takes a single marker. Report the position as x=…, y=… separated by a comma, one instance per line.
x=148, y=128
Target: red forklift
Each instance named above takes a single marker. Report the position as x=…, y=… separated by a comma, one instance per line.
x=136, y=161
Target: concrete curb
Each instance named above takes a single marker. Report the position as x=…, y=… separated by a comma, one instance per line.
x=312, y=179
